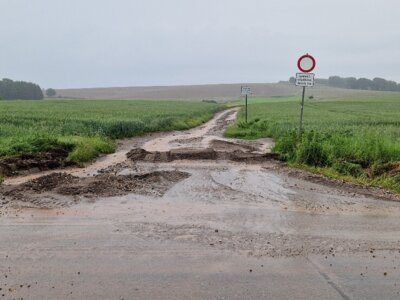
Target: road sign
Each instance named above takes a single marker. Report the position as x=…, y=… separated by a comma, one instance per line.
x=245, y=90
x=306, y=63
x=305, y=79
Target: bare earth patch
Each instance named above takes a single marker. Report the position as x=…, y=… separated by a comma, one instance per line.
x=103, y=185
x=35, y=162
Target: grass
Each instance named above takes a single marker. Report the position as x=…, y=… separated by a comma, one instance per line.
x=87, y=128
x=356, y=137
x=260, y=100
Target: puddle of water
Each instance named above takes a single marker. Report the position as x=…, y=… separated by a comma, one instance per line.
x=261, y=184
x=163, y=144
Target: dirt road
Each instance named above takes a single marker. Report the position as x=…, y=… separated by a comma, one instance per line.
x=191, y=215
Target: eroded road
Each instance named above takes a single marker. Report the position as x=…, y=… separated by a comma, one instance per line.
x=191, y=215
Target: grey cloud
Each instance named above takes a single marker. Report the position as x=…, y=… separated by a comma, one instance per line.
x=88, y=43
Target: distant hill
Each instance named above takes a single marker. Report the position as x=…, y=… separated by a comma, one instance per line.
x=220, y=92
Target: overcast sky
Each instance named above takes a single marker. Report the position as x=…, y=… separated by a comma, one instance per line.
x=94, y=43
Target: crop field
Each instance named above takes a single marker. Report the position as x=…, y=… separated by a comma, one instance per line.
x=357, y=138
x=87, y=128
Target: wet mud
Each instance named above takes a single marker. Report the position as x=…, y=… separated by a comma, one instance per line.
x=233, y=154
x=35, y=162
x=50, y=191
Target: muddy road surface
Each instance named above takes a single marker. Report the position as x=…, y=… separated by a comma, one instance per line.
x=192, y=215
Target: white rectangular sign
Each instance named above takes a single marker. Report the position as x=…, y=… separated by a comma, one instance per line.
x=305, y=79
x=246, y=90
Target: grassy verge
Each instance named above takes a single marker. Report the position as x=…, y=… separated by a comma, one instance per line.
x=88, y=128
x=354, y=139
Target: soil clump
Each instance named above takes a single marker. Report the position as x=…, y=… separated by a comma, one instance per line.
x=34, y=162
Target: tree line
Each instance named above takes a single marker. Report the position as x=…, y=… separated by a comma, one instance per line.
x=13, y=90
x=376, y=84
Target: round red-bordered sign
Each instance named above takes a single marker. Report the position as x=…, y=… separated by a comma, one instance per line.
x=306, y=63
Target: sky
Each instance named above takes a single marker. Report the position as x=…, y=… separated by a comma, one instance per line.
x=103, y=43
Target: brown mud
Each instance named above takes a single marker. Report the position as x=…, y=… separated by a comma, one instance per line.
x=34, y=162
x=200, y=154
x=29, y=194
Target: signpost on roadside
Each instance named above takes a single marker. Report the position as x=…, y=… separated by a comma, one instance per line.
x=245, y=90
x=306, y=64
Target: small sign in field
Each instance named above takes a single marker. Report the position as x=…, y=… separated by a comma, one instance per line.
x=305, y=79
x=246, y=91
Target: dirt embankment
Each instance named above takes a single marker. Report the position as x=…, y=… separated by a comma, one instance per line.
x=35, y=162
x=198, y=154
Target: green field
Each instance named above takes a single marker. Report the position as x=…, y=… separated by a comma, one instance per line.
x=357, y=138
x=87, y=128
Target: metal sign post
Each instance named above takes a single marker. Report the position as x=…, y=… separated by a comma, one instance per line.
x=245, y=91
x=246, y=109
x=302, y=112
x=306, y=64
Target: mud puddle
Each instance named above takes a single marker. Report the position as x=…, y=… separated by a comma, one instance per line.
x=192, y=138
x=209, y=136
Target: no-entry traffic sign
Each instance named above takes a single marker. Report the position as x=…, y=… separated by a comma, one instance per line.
x=306, y=63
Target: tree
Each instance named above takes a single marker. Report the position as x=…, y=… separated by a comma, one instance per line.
x=292, y=80
x=51, y=92
x=365, y=84
x=351, y=83
x=12, y=90
x=322, y=81
x=391, y=86
x=336, y=81
x=377, y=84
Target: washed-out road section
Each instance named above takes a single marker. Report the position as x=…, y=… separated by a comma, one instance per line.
x=215, y=225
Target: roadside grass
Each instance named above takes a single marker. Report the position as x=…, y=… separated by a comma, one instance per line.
x=357, y=138
x=87, y=128
x=258, y=100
